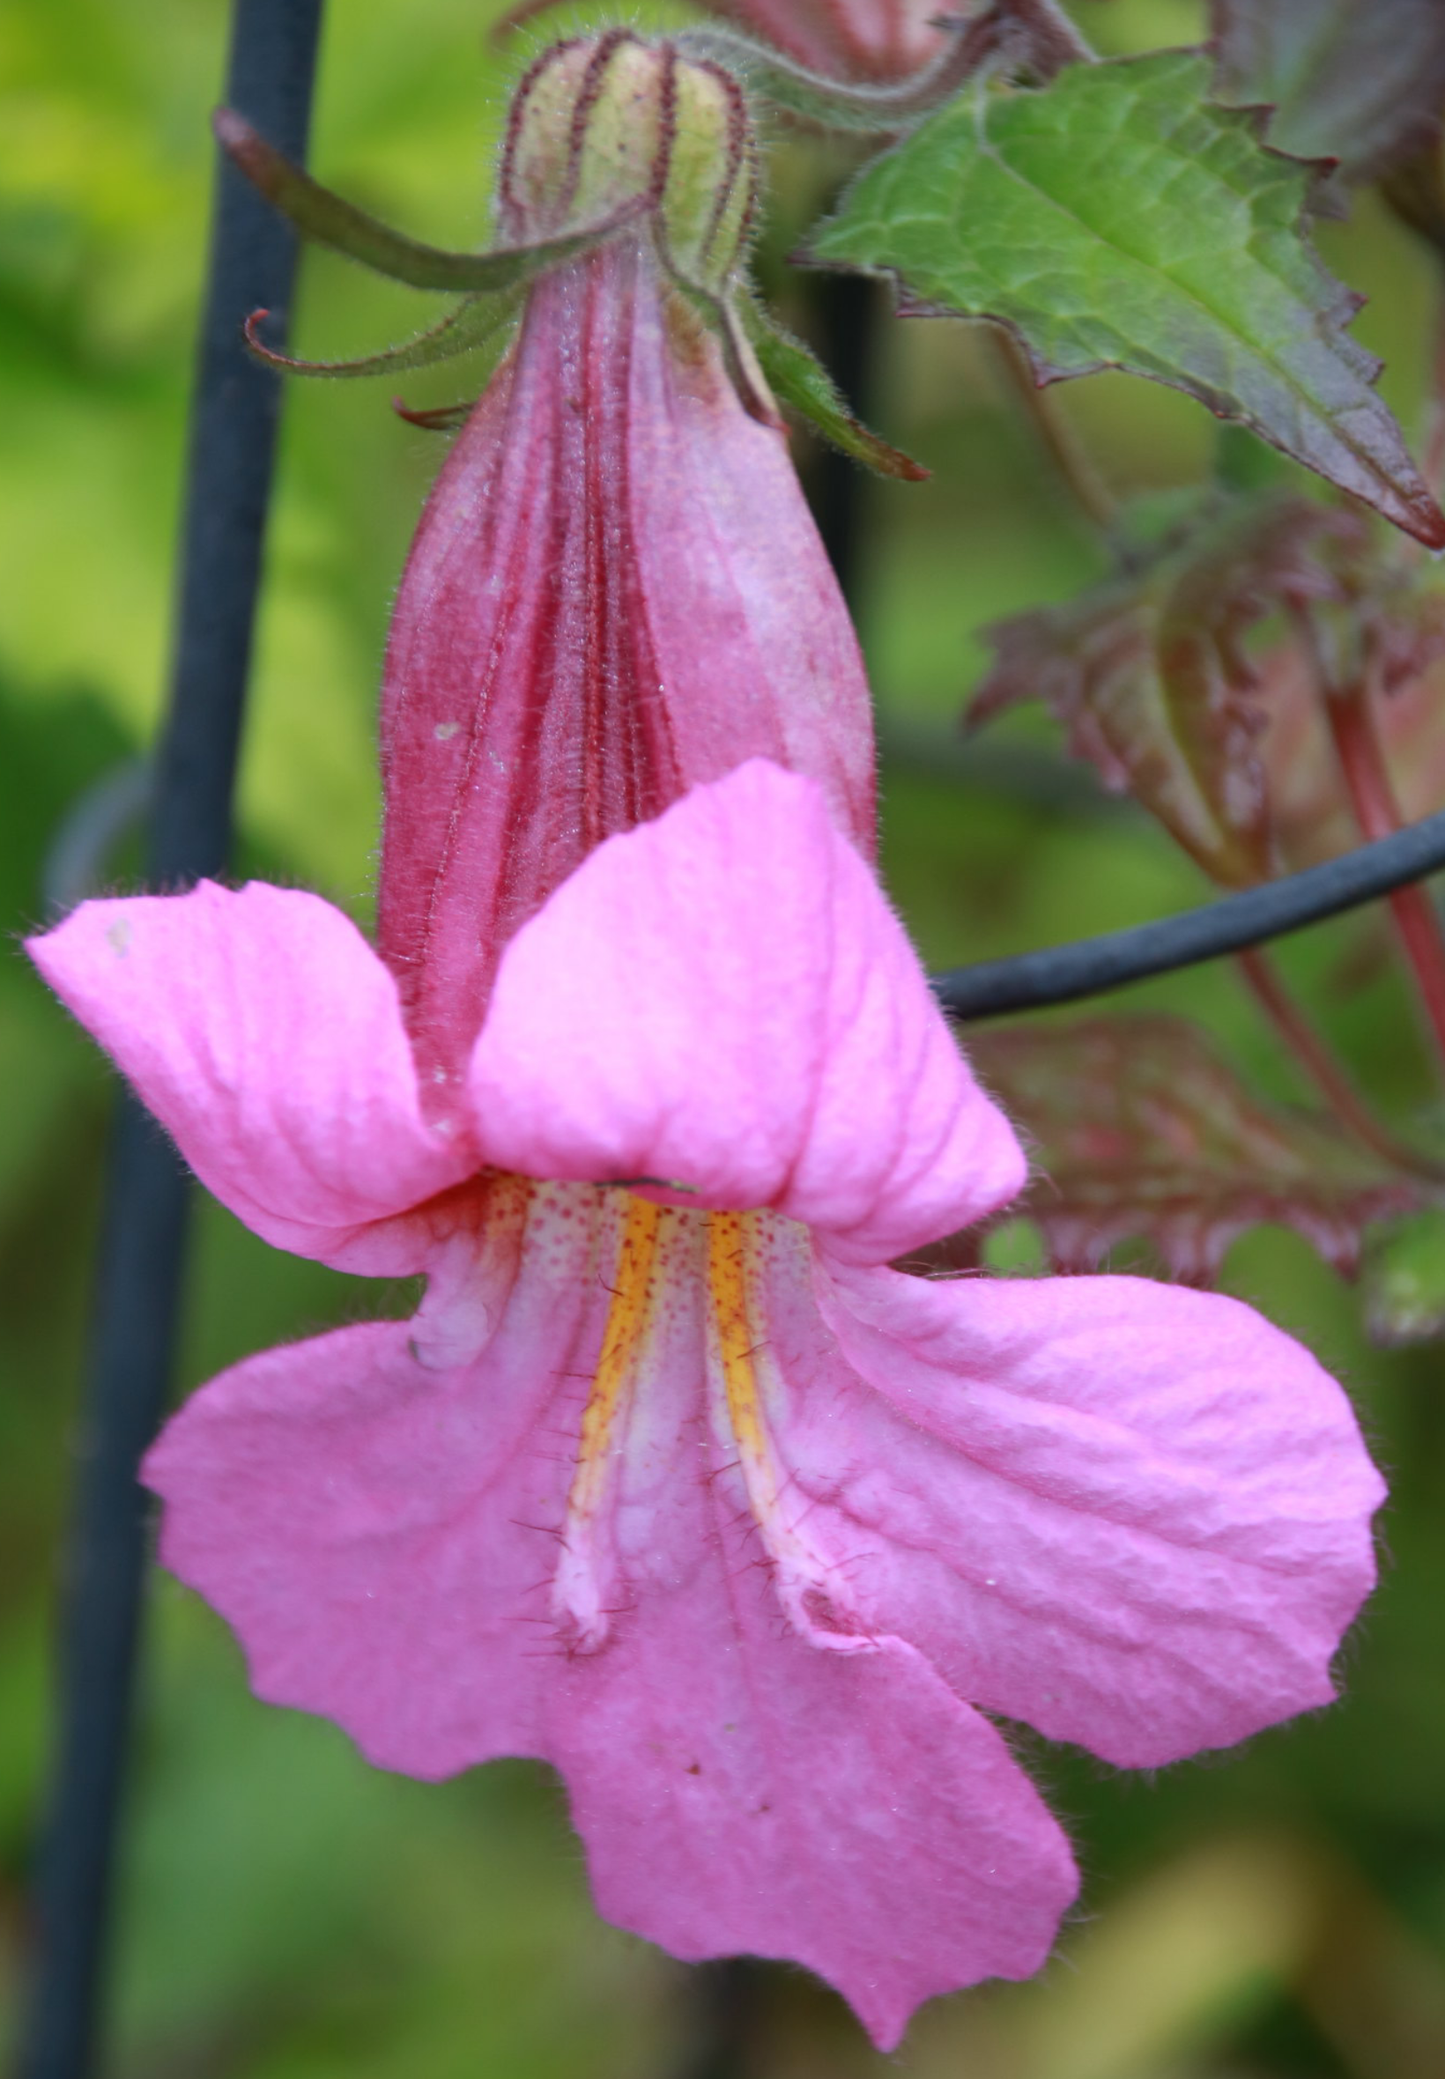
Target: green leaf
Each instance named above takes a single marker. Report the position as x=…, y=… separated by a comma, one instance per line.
x=1404, y=1280
x=1360, y=81
x=798, y=378
x=1142, y=1130
x=1114, y=219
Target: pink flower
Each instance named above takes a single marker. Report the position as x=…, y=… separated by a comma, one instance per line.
x=671, y=1480
x=845, y=39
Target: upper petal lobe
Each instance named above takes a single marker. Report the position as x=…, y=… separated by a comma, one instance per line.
x=616, y=592
x=721, y=1000
x=265, y=1035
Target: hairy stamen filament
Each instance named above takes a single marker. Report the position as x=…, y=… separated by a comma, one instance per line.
x=727, y=1277
x=578, y=1586
x=808, y=1585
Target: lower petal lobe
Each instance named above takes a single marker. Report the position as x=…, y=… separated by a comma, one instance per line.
x=387, y=1535
x=1134, y=1515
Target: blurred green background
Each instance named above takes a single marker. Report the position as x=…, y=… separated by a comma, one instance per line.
x=286, y=1913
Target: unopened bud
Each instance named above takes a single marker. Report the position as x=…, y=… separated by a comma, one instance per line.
x=606, y=122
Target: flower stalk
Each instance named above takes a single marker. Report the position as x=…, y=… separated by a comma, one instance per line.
x=1029, y=36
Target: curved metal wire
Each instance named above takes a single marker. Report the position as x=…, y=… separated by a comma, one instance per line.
x=1088, y=966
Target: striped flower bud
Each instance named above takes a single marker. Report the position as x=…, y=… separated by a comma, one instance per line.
x=603, y=123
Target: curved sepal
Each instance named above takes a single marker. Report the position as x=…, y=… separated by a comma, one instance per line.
x=719, y=311
x=471, y=324
x=327, y=219
x=435, y=418
x=798, y=378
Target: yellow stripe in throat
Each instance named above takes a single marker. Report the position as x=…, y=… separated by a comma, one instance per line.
x=728, y=1249
x=580, y=1585
x=627, y=1322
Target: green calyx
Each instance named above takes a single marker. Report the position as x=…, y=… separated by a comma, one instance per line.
x=606, y=123
x=487, y=282
x=608, y=136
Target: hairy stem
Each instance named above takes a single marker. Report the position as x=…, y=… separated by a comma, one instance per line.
x=1073, y=467
x=1033, y=34
x=1315, y=1057
x=1377, y=811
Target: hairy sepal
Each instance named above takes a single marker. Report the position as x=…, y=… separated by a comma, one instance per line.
x=327, y=219
x=798, y=379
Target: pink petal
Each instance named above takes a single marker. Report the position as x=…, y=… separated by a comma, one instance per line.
x=741, y=1791
x=723, y=1001
x=265, y=1035
x=385, y=1538
x=382, y=1533
x=1134, y=1515
x=615, y=592
x=329, y=1499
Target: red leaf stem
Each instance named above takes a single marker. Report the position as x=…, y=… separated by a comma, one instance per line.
x=1315, y=1057
x=1377, y=811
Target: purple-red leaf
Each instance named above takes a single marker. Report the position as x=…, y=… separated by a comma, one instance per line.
x=1149, y=675
x=1360, y=81
x=1143, y=1131
x=1393, y=629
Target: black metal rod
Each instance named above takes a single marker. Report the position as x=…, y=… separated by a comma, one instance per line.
x=726, y=1998
x=1088, y=967
x=138, y=1283
x=848, y=310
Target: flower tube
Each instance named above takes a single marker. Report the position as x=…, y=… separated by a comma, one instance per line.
x=616, y=590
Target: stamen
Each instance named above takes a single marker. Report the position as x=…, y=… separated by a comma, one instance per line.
x=727, y=1277
x=579, y=1586
x=808, y=1585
